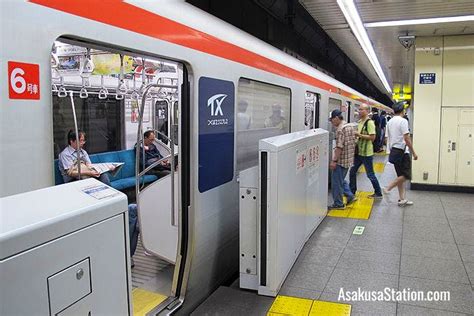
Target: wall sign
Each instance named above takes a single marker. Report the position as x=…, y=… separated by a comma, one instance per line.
x=216, y=132
x=427, y=78
x=23, y=81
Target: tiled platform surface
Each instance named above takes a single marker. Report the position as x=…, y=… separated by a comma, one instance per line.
x=428, y=246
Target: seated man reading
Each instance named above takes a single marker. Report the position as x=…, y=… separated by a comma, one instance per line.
x=152, y=155
x=68, y=162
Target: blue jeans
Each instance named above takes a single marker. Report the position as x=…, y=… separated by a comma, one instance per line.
x=369, y=168
x=133, y=227
x=104, y=178
x=340, y=186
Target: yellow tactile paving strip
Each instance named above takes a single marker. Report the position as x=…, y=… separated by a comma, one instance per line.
x=295, y=306
x=379, y=167
x=321, y=308
x=287, y=305
x=144, y=301
x=360, y=209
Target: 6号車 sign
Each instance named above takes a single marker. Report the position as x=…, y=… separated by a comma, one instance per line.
x=23, y=81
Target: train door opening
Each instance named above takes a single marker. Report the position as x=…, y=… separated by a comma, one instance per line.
x=125, y=109
x=347, y=111
x=311, y=110
x=355, y=113
x=334, y=104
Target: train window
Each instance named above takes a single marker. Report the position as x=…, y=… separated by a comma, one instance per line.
x=100, y=119
x=334, y=104
x=356, y=112
x=311, y=110
x=107, y=88
x=263, y=110
x=346, y=110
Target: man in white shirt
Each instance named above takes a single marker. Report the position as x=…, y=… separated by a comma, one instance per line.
x=400, y=148
x=68, y=159
x=243, y=118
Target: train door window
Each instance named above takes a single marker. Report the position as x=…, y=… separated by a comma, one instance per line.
x=104, y=89
x=311, y=110
x=263, y=111
x=334, y=104
x=347, y=111
x=355, y=114
x=162, y=119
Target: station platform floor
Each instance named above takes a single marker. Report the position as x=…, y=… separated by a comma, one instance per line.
x=428, y=246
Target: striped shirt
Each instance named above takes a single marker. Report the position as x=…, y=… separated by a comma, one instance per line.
x=346, y=140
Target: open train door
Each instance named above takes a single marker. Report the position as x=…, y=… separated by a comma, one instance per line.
x=163, y=204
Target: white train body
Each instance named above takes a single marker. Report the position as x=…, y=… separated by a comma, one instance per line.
x=28, y=31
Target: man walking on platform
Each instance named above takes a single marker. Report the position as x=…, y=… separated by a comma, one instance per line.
x=365, y=152
x=400, y=148
x=342, y=159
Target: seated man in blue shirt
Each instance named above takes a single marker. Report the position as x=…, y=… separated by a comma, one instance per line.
x=68, y=160
x=152, y=155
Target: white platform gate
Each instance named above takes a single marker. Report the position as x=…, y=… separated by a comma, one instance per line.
x=290, y=189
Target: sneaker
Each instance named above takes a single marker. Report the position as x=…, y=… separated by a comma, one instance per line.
x=404, y=202
x=132, y=262
x=375, y=196
x=336, y=207
x=354, y=199
x=385, y=191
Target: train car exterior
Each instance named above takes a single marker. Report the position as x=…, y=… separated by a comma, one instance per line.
x=210, y=52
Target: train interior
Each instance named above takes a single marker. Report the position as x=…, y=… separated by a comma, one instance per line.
x=114, y=97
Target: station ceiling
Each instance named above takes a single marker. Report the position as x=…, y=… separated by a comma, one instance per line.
x=397, y=62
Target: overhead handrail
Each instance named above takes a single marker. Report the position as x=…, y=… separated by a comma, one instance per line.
x=88, y=65
x=145, y=81
x=121, y=88
x=135, y=95
x=103, y=92
x=77, y=86
x=83, y=94
x=62, y=93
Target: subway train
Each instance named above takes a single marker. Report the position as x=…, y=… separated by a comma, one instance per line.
x=210, y=90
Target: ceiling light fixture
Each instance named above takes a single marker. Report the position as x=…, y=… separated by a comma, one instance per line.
x=352, y=16
x=449, y=19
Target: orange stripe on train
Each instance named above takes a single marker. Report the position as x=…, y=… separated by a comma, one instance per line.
x=126, y=16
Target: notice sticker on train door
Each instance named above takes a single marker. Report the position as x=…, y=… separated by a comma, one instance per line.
x=23, y=81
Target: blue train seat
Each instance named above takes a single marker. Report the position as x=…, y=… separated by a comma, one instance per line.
x=124, y=178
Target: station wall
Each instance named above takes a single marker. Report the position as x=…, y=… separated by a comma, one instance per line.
x=443, y=123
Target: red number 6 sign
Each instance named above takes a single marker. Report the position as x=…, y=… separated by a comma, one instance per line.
x=23, y=81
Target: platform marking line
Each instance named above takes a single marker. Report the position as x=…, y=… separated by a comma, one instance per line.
x=288, y=305
x=322, y=308
x=360, y=209
x=144, y=301
x=379, y=167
